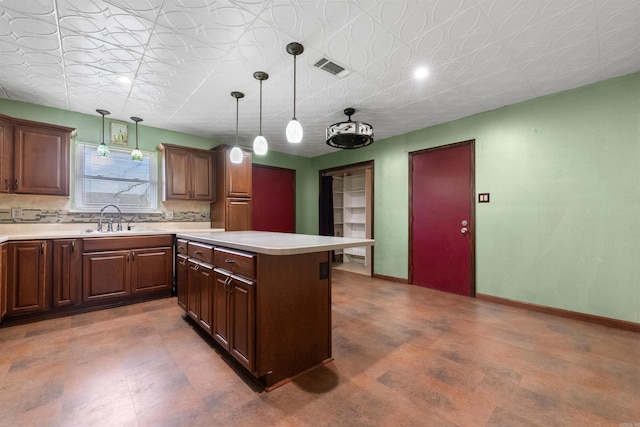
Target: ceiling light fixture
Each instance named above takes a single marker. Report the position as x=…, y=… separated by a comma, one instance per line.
x=236, y=153
x=136, y=154
x=260, y=145
x=349, y=134
x=103, y=150
x=294, y=128
x=421, y=73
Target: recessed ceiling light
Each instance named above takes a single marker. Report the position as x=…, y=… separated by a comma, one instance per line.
x=124, y=80
x=421, y=72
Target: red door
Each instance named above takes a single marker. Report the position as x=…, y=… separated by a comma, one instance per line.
x=442, y=219
x=274, y=201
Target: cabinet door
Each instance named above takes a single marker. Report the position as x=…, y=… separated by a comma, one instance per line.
x=6, y=156
x=193, y=293
x=4, y=253
x=27, y=281
x=41, y=161
x=205, y=288
x=181, y=280
x=221, y=302
x=242, y=314
x=105, y=275
x=177, y=176
x=238, y=176
x=203, y=187
x=151, y=269
x=67, y=271
x=238, y=215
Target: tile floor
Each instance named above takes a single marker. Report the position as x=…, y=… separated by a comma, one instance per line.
x=403, y=355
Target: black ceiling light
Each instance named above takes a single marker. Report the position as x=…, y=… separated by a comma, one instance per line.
x=349, y=134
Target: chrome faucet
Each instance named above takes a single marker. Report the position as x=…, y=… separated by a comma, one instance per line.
x=110, y=225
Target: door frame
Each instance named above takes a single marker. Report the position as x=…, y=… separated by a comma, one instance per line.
x=472, y=213
x=367, y=164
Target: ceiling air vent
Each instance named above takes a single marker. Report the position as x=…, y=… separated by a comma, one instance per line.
x=331, y=67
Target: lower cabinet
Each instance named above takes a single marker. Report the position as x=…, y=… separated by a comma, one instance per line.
x=234, y=316
x=27, y=289
x=67, y=272
x=4, y=253
x=120, y=266
x=200, y=291
x=181, y=280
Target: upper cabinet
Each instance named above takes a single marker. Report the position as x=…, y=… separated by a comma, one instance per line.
x=235, y=177
x=188, y=174
x=34, y=157
x=233, y=209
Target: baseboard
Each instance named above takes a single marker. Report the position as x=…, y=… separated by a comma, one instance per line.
x=604, y=321
x=390, y=278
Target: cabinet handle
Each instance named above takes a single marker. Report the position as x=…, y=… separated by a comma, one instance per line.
x=133, y=256
x=73, y=246
x=41, y=247
x=229, y=261
x=197, y=252
x=6, y=184
x=15, y=185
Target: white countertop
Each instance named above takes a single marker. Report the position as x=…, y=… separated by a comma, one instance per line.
x=274, y=243
x=88, y=233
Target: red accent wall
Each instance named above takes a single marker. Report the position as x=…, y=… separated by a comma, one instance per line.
x=274, y=202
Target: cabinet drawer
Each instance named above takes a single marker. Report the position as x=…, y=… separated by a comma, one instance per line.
x=181, y=246
x=241, y=263
x=201, y=252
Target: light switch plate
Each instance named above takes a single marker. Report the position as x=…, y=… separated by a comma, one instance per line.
x=16, y=213
x=168, y=214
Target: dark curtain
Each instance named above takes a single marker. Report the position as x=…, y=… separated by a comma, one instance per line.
x=326, y=206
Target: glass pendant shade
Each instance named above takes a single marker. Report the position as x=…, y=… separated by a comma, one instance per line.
x=103, y=150
x=236, y=154
x=136, y=154
x=294, y=131
x=260, y=145
x=294, y=128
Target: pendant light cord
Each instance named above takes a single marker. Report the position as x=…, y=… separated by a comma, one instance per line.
x=237, y=112
x=294, y=87
x=260, y=107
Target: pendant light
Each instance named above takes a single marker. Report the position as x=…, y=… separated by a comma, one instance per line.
x=349, y=134
x=236, y=153
x=294, y=128
x=103, y=150
x=136, y=154
x=260, y=145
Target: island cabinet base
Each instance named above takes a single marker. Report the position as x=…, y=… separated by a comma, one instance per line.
x=293, y=315
x=272, y=313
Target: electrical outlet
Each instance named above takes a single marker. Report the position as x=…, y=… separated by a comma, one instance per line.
x=168, y=214
x=16, y=213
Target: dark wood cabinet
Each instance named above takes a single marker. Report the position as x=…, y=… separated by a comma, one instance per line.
x=151, y=269
x=232, y=211
x=4, y=253
x=182, y=278
x=28, y=282
x=106, y=275
x=234, y=316
x=199, y=294
x=238, y=214
x=34, y=158
x=188, y=174
x=67, y=272
x=204, y=284
x=120, y=266
x=6, y=156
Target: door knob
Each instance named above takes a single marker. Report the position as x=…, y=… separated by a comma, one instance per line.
x=464, y=230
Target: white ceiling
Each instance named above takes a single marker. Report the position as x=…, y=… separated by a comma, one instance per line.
x=184, y=57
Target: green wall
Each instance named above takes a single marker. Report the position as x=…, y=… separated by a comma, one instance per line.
x=563, y=226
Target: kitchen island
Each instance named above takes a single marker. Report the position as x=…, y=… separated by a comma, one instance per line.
x=264, y=297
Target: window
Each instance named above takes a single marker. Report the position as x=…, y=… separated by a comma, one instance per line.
x=131, y=185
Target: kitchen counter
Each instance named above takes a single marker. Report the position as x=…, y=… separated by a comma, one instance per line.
x=90, y=233
x=270, y=243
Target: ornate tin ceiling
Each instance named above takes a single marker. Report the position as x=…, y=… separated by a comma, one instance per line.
x=184, y=57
